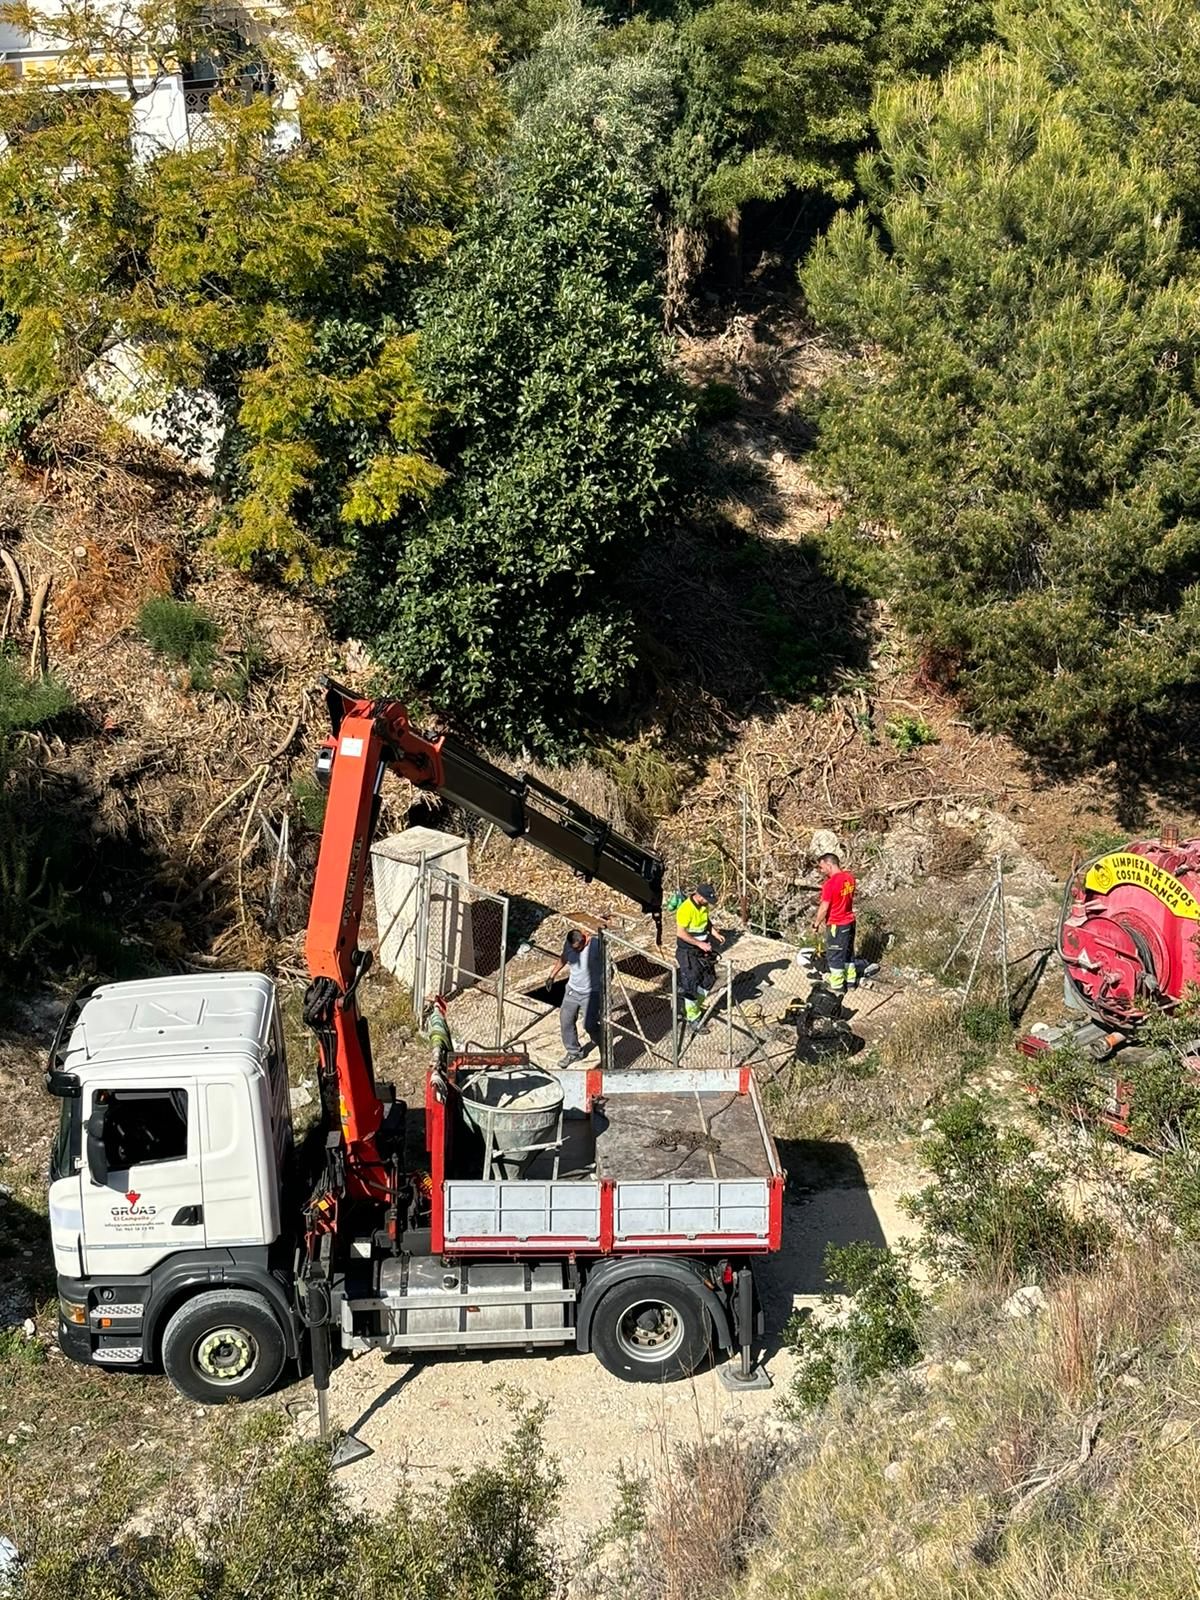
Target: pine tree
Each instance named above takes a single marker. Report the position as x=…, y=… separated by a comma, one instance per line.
x=1023, y=414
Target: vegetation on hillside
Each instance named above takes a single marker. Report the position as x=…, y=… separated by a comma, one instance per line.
x=485, y=1537
x=423, y=291
x=415, y=304
x=1027, y=422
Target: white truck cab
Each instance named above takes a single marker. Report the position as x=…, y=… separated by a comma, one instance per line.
x=168, y=1172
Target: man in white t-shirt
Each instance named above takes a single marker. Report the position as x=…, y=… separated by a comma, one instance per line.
x=581, y=958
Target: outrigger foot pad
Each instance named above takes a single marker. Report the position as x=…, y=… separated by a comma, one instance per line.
x=350, y=1449
x=732, y=1377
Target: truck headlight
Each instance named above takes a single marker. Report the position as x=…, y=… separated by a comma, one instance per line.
x=73, y=1311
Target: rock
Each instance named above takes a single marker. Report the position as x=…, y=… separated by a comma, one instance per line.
x=928, y=1125
x=942, y=1424
x=892, y=1471
x=300, y=1097
x=29, y=1326
x=824, y=842
x=1026, y=1302
x=961, y=1368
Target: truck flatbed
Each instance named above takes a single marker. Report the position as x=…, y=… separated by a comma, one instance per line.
x=669, y=1159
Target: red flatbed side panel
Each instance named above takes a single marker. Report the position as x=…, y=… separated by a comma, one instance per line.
x=435, y=1134
x=775, y=1214
x=607, y=1215
x=715, y=1244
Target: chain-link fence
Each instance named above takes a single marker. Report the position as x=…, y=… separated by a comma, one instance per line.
x=641, y=1011
x=762, y=1008
x=754, y=1013
x=463, y=955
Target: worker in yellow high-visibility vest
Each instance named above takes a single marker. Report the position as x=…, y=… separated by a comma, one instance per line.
x=694, y=940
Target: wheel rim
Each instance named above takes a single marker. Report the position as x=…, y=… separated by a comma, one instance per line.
x=223, y=1355
x=650, y=1330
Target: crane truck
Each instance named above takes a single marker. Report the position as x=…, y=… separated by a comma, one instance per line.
x=186, y=1239
x=1129, y=942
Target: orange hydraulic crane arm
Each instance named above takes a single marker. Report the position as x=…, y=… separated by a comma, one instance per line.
x=368, y=737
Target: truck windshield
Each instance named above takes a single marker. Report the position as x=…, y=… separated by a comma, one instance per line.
x=66, y=1148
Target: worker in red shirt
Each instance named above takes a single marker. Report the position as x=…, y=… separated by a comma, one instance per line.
x=835, y=919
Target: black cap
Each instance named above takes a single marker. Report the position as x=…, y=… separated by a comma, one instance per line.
x=707, y=890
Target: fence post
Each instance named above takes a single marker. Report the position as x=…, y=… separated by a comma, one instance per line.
x=501, y=1022
x=675, y=1014
x=419, y=1003
x=728, y=1012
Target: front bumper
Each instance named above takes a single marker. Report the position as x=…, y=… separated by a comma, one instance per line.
x=111, y=1334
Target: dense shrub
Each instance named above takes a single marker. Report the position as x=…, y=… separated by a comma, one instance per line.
x=544, y=352
x=272, y=1520
x=996, y=1206
x=855, y=1340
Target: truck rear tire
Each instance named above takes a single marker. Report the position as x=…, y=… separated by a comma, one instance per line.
x=223, y=1345
x=651, y=1330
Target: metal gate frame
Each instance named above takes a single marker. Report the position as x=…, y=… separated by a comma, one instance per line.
x=455, y=890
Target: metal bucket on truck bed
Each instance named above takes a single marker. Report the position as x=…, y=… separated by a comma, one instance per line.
x=518, y=1111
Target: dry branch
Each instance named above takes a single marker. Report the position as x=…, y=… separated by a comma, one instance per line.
x=37, y=650
x=18, y=586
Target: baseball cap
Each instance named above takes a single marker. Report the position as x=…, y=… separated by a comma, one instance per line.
x=709, y=893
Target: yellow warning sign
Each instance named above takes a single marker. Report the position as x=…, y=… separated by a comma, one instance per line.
x=1125, y=867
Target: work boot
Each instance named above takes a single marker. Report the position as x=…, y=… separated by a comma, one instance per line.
x=569, y=1060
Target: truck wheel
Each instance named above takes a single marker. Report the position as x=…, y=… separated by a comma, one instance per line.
x=651, y=1330
x=223, y=1345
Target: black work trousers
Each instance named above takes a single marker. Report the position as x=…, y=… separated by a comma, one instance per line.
x=697, y=970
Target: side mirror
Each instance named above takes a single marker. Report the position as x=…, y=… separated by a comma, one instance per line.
x=97, y=1156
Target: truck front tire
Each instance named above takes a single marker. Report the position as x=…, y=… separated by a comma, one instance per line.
x=223, y=1345
x=651, y=1330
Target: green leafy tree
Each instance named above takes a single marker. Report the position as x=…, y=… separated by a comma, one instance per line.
x=542, y=347
x=1023, y=415
x=271, y=262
